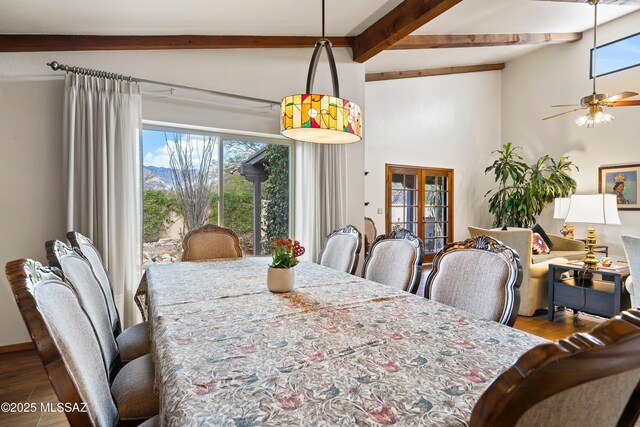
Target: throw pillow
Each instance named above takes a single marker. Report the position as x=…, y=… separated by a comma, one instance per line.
x=538, y=245
x=540, y=231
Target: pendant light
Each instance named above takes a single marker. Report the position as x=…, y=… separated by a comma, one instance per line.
x=323, y=119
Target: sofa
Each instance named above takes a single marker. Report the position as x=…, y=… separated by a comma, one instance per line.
x=534, y=293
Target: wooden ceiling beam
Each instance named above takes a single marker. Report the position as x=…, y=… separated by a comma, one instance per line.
x=392, y=75
x=477, y=40
x=58, y=42
x=404, y=19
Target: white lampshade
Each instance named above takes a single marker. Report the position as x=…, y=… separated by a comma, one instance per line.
x=593, y=209
x=561, y=207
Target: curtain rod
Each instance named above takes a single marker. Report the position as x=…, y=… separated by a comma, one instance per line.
x=56, y=66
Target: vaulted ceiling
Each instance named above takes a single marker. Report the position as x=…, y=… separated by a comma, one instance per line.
x=439, y=31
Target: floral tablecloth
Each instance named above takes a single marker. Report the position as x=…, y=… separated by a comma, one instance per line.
x=339, y=350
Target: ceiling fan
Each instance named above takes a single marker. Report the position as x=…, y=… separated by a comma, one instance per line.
x=595, y=102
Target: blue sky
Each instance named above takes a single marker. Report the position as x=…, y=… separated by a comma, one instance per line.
x=618, y=55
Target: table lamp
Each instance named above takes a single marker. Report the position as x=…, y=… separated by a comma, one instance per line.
x=593, y=209
x=560, y=211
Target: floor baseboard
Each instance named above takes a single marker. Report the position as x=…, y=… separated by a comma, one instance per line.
x=16, y=347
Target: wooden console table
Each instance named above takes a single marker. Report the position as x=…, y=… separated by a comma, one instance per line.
x=602, y=294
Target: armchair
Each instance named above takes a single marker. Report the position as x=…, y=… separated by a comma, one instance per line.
x=632, y=283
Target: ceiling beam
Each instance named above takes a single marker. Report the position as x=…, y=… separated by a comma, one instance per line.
x=476, y=40
x=614, y=2
x=404, y=19
x=392, y=75
x=58, y=42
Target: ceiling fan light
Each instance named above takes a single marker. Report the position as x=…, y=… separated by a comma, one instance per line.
x=595, y=116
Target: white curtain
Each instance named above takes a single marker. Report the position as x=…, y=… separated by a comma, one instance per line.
x=320, y=187
x=102, y=129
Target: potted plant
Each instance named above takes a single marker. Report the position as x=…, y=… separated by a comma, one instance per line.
x=285, y=253
x=524, y=190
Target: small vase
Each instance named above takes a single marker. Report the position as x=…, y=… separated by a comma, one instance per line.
x=280, y=279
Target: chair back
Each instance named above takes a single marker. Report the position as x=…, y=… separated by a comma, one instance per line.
x=370, y=232
x=79, y=274
x=395, y=259
x=481, y=276
x=210, y=242
x=632, y=251
x=86, y=248
x=587, y=379
x=341, y=249
x=65, y=341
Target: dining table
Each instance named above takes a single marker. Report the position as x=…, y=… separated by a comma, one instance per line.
x=338, y=350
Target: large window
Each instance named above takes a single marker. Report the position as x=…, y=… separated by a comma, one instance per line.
x=617, y=56
x=194, y=177
x=421, y=200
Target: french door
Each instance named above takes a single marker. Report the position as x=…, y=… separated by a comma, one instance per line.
x=421, y=200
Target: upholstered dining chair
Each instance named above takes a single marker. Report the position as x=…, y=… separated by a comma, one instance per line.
x=370, y=233
x=395, y=259
x=632, y=283
x=341, y=249
x=134, y=340
x=587, y=379
x=210, y=242
x=127, y=345
x=70, y=352
x=480, y=275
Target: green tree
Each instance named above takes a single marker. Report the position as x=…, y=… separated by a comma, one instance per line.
x=276, y=193
x=524, y=190
x=238, y=211
x=157, y=207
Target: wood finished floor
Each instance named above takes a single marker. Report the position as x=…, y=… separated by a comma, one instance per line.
x=23, y=379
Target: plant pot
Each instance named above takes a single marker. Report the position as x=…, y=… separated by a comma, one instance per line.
x=281, y=279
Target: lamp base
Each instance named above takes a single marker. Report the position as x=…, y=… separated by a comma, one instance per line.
x=590, y=261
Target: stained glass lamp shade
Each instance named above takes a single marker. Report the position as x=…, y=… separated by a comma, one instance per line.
x=322, y=119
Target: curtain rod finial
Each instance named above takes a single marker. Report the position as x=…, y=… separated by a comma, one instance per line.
x=55, y=66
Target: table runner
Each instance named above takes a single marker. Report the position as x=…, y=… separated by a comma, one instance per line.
x=339, y=350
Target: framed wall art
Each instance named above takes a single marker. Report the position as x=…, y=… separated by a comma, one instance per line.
x=621, y=180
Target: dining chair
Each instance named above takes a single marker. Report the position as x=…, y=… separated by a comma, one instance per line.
x=130, y=343
x=370, y=233
x=480, y=275
x=395, y=259
x=587, y=379
x=341, y=249
x=210, y=242
x=134, y=340
x=631, y=246
x=67, y=344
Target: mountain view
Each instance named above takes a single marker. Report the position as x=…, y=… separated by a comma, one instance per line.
x=157, y=178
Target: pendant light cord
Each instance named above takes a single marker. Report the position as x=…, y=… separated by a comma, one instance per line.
x=323, y=20
x=311, y=75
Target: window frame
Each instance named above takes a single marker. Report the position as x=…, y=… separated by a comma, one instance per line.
x=591, y=70
x=421, y=172
x=226, y=135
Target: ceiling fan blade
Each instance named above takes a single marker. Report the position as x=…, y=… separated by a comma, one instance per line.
x=625, y=103
x=621, y=95
x=565, y=105
x=562, y=114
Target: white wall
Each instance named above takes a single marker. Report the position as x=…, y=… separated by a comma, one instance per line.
x=31, y=129
x=559, y=74
x=446, y=121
